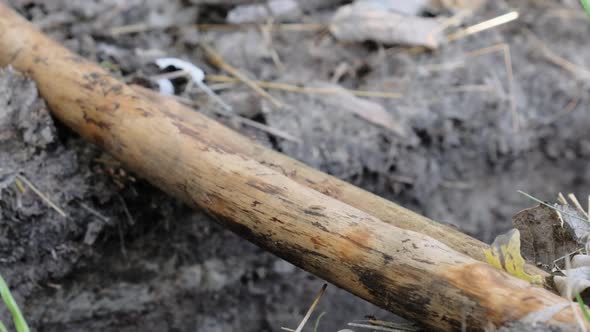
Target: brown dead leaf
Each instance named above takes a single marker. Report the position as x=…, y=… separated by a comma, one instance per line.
x=544, y=239
x=362, y=21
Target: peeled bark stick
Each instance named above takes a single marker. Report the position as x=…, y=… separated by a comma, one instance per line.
x=403, y=271
x=379, y=207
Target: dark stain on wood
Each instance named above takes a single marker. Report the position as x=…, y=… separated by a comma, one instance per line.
x=375, y=282
x=424, y=261
x=317, y=242
x=320, y=226
x=312, y=212
x=275, y=219
x=265, y=187
x=15, y=54
x=274, y=166
x=40, y=60
x=186, y=130
x=145, y=113
x=98, y=123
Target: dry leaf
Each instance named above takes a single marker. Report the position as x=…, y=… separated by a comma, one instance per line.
x=413, y=7
x=543, y=237
x=343, y=100
x=361, y=21
x=278, y=10
x=504, y=254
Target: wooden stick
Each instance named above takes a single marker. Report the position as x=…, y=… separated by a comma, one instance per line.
x=379, y=207
x=403, y=271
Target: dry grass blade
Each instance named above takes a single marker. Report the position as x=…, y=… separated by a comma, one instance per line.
x=561, y=199
x=308, y=90
x=577, y=204
x=267, y=129
x=216, y=59
x=245, y=121
x=287, y=27
x=266, y=31
x=94, y=212
x=131, y=28
x=42, y=195
x=309, y=311
x=505, y=50
x=375, y=327
x=492, y=23
x=502, y=48
x=575, y=70
x=375, y=323
x=551, y=206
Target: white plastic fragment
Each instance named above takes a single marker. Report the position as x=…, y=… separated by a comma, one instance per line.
x=197, y=76
x=166, y=87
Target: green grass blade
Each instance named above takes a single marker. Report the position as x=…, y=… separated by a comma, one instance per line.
x=586, y=5
x=2, y=327
x=17, y=316
x=551, y=207
x=583, y=307
x=317, y=322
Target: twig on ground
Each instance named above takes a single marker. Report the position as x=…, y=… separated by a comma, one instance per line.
x=42, y=195
x=216, y=59
x=311, y=308
x=504, y=49
x=94, y=212
x=492, y=23
x=575, y=70
x=308, y=90
x=266, y=31
x=561, y=199
x=291, y=27
x=392, y=325
x=577, y=204
x=245, y=121
x=130, y=218
x=375, y=327
x=309, y=311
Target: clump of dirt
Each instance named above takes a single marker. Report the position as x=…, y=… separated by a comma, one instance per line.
x=38, y=243
x=471, y=131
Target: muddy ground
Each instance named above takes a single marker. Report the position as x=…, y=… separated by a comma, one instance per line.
x=128, y=258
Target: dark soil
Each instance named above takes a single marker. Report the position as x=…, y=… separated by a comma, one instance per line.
x=129, y=258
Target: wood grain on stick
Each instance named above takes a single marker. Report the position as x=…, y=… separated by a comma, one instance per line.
x=302, y=218
x=379, y=207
